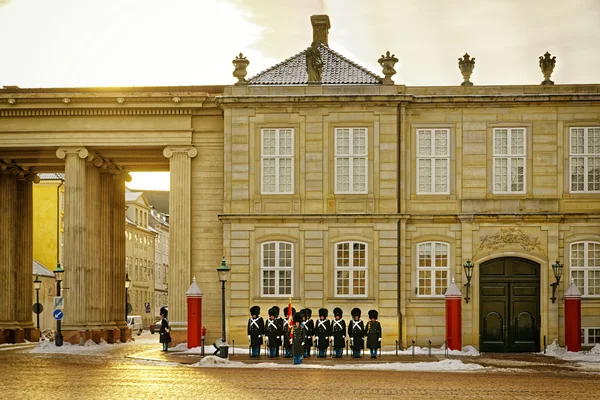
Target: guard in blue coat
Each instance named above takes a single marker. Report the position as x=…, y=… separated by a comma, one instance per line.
x=338, y=328
x=356, y=331
x=256, y=330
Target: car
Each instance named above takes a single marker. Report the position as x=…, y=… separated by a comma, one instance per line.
x=135, y=323
x=155, y=327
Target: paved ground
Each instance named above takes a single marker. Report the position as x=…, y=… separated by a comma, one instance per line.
x=115, y=374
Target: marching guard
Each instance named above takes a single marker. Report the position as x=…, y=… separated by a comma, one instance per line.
x=356, y=331
x=373, y=333
x=322, y=333
x=256, y=330
x=338, y=332
x=272, y=333
x=309, y=325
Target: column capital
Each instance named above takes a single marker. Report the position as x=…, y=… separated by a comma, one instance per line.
x=120, y=174
x=170, y=150
x=23, y=174
x=62, y=152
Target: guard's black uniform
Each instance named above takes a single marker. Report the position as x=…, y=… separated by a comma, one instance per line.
x=256, y=330
x=373, y=333
x=356, y=331
x=338, y=331
x=287, y=345
x=272, y=333
x=322, y=332
x=309, y=326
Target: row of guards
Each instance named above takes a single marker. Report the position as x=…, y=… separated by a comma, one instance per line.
x=324, y=335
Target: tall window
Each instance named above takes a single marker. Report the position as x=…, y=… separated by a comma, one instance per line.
x=433, y=161
x=509, y=160
x=585, y=267
x=351, y=269
x=277, y=269
x=590, y=336
x=433, y=268
x=277, y=160
x=585, y=159
x=351, y=160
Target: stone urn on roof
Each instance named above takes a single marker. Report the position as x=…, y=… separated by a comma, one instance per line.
x=240, y=63
x=547, y=63
x=387, y=62
x=466, y=64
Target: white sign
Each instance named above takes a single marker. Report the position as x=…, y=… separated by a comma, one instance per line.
x=59, y=303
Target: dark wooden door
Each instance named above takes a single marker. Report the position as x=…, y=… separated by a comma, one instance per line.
x=509, y=305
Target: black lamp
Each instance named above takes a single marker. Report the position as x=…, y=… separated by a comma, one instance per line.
x=557, y=269
x=58, y=274
x=468, y=267
x=223, y=272
x=37, y=284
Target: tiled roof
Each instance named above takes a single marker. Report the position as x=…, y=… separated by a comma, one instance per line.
x=337, y=70
x=39, y=269
x=51, y=176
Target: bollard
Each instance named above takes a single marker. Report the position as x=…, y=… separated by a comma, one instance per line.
x=233, y=352
x=454, y=317
x=346, y=348
x=573, y=318
x=429, y=351
x=202, y=346
x=194, y=315
x=396, y=348
x=413, y=348
x=446, y=349
x=544, y=344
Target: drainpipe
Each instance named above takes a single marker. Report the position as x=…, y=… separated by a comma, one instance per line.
x=399, y=210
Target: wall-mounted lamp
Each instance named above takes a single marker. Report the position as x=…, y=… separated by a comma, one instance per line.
x=468, y=273
x=557, y=268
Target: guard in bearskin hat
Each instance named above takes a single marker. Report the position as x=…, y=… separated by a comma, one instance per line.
x=298, y=338
x=373, y=333
x=338, y=328
x=287, y=325
x=356, y=331
x=322, y=333
x=272, y=333
x=256, y=330
x=309, y=325
x=279, y=322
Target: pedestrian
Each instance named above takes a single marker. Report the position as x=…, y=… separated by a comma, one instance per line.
x=279, y=322
x=287, y=327
x=256, y=330
x=356, y=331
x=309, y=325
x=298, y=338
x=373, y=333
x=322, y=333
x=165, y=329
x=272, y=333
x=338, y=332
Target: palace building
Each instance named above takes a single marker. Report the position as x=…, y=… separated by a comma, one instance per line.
x=330, y=185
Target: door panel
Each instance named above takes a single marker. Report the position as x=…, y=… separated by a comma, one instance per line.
x=509, y=305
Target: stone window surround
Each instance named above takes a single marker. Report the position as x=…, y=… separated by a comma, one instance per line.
x=509, y=157
x=433, y=156
x=567, y=151
x=277, y=156
x=368, y=167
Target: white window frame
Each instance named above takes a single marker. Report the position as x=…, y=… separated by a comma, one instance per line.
x=586, y=156
x=432, y=269
x=351, y=156
x=586, y=268
x=277, y=157
x=352, y=269
x=511, y=158
x=434, y=159
x=585, y=335
x=278, y=269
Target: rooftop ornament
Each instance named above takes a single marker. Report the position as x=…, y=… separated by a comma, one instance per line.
x=466, y=66
x=240, y=63
x=387, y=62
x=314, y=63
x=547, y=66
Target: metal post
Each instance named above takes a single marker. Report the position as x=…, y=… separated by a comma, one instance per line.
x=544, y=344
x=202, y=346
x=37, y=302
x=346, y=348
x=446, y=349
x=233, y=349
x=396, y=348
x=413, y=348
x=126, y=294
x=223, y=311
x=59, y=337
x=429, y=351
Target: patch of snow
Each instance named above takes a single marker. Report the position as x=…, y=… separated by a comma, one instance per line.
x=155, y=362
x=444, y=365
x=88, y=348
x=198, y=350
x=595, y=349
x=435, y=351
x=591, y=356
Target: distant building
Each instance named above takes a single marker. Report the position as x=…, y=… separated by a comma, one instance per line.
x=48, y=196
x=159, y=221
x=46, y=295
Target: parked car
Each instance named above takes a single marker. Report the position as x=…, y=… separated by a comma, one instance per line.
x=135, y=323
x=155, y=327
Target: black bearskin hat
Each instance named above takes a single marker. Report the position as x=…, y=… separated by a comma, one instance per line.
x=355, y=312
x=255, y=310
x=285, y=311
x=338, y=311
x=298, y=317
x=373, y=314
x=323, y=312
x=307, y=313
x=164, y=312
x=275, y=311
x=272, y=312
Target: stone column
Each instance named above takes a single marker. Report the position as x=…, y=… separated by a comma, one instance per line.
x=105, y=255
x=118, y=251
x=93, y=250
x=8, y=194
x=75, y=239
x=180, y=252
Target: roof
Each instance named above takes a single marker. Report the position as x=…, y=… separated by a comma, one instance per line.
x=132, y=196
x=39, y=269
x=159, y=199
x=129, y=221
x=51, y=177
x=337, y=70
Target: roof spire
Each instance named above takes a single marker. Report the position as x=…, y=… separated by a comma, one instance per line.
x=321, y=25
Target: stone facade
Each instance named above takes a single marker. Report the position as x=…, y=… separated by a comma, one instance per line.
x=159, y=222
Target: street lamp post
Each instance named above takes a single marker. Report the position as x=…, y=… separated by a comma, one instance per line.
x=127, y=284
x=58, y=274
x=223, y=272
x=37, y=284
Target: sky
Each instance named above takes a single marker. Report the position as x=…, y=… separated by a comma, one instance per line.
x=74, y=43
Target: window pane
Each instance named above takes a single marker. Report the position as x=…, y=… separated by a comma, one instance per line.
x=425, y=175
x=359, y=282
x=424, y=283
x=285, y=255
x=359, y=142
x=424, y=143
x=358, y=259
x=268, y=175
x=441, y=143
x=577, y=174
x=285, y=282
x=285, y=142
x=441, y=255
x=593, y=174
x=269, y=142
x=343, y=174
x=441, y=280
x=268, y=282
x=343, y=255
x=441, y=175
x=343, y=282
x=359, y=174
x=285, y=175
x=593, y=145
x=501, y=141
x=578, y=278
x=425, y=255
x=517, y=142
x=269, y=255
x=342, y=141
x=501, y=174
x=577, y=255
x=577, y=140
x=517, y=174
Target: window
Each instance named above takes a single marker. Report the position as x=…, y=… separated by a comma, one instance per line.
x=351, y=160
x=277, y=269
x=433, y=161
x=585, y=267
x=509, y=160
x=351, y=269
x=585, y=159
x=277, y=161
x=590, y=336
x=433, y=268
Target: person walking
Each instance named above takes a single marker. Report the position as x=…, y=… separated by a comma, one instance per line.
x=298, y=339
x=165, y=329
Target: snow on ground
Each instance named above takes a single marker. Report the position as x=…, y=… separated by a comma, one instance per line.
x=444, y=365
x=89, y=348
x=466, y=351
x=590, y=356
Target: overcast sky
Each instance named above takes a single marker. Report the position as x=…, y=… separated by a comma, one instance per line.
x=62, y=43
